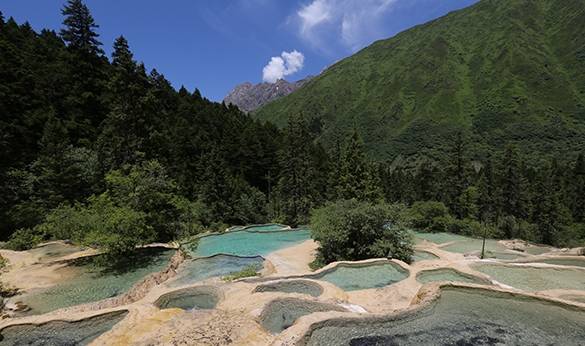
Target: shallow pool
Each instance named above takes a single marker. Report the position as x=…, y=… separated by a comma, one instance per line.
x=493, y=249
x=246, y=243
x=53, y=251
x=423, y=256
x=94, y=283
x=463, y=317
x=59, y=333
x=195, y=270
x=574, y=262
x=292, y=286
x=352, y=277
x=266, y=228
x=282, y=313
x=533, y=278
x=439, y=238
x=447, y=274
x=202, y=297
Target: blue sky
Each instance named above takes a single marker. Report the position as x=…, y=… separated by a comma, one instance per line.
x=215, y=44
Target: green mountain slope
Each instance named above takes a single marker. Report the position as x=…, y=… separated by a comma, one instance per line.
x=504, y=71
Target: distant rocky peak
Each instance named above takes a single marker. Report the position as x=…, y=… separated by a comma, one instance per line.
x=249, y=97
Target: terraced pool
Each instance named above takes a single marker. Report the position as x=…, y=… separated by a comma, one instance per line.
x=292, y=286
x=439, y=238
x=447, y=274
x=534, y=278
x=352, y=277
x=202, y=297
x=196, y=270
x=463, y=317
x=248, y=243
x=281, y=313
x=94, y=283
x=423, y=256
x=59, y=333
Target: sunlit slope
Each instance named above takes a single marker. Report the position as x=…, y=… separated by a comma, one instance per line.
x=502, y=70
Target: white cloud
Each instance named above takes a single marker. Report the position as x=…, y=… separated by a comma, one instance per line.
x=353, y=23
x=280, y=66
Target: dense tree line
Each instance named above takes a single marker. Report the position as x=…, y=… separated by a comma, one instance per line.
x=80, y=132
x=103, y=152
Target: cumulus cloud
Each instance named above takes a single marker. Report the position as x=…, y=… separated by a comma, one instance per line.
x=354, y=23
x=280, y=66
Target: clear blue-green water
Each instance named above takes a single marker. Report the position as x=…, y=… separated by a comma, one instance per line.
x=447, y=274
x=292, y=286
x=533, y=278
x=94, y=283
x=195, y=270
x=439, y=238
x=282, y=313
x=265, y=228
x=564, y=261
x=462, y=317
x=363, y=276
x=493, y=249
x=245, y=243
x=538, y=250
x=60, y=333
x=203, y=297
x=423, y=256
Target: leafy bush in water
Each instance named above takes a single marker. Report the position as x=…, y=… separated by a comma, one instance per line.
x=350, y=230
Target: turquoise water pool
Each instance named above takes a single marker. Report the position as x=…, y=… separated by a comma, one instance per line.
x=265, y=228
x=202, y=297
x=195, y=270
x=245, y=243
x=534, y=279
x=423, y=256
x=439, y=238
x=575, y=262
x=282, y=313
x=462, y=317
x=60, y=333
x=353, y=277
x=447, y=274
x=94, y=283
x=493, y=249
x=292, y=286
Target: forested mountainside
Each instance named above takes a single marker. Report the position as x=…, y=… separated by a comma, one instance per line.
x=503, y=72
x=104, y=153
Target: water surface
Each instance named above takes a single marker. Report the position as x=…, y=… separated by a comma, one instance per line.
x=352, y=277
x=447, y=274
x=464, y=317
x=249, y=243
x=534, y=278
x=60, y=333
x=196, y=270
x=282, y=313
x=292, y=286
x=202, y=297
x=94, y=282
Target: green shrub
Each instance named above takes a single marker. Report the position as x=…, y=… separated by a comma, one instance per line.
x=350, y=230
x=24, y=239
x=249, y=271
x=429, y=217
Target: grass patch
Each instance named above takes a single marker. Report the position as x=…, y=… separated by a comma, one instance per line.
x=249, y=271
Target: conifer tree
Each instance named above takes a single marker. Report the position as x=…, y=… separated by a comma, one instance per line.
x=354, y=169
x=487, y=200
x=578, y=190
x=456, y=178
x=79, y=31
x=513, y=185
x=296, y=188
